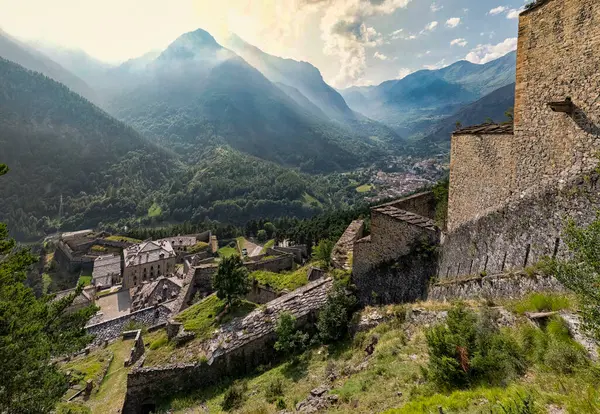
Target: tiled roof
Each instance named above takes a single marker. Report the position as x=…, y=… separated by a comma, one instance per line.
x=147, y=252
x=485, y=129
x=406, y=216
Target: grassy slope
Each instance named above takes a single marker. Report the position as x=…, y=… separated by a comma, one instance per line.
x=280, y=281
x=394, y=382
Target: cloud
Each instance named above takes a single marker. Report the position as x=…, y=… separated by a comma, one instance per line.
x=380, y=56
x=431, y=26
x=497, y=10
x=459, y=42
x=453, y=22
x=489, y=52
x=403, y=72
x=514, y=13
x=346, y=34
x=437, y=65
x=435, y=7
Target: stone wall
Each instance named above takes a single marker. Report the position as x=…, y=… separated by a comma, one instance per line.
x=238, y=348
x=137, y=350
x=504, y=286
x=558, y=56
x=112, y=329
x=343, y=249
x=260, y=294
x=299, y=251
x=422, y=204
x=521, y=233
x=276, y=265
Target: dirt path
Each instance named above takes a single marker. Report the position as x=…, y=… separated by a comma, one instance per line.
x=253, y=249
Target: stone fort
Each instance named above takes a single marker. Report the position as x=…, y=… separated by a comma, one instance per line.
x=512, y=186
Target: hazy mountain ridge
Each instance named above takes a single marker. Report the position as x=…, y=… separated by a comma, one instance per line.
x=18, y=52
x=414, y=103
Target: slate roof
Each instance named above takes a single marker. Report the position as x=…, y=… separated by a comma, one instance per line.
x=106, y=265
x=406, y=216
x=484, y=129
x=147, y=252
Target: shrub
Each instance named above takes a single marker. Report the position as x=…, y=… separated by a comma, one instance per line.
x=323, y=251
x=234, y=396
x=159, y=343
x=289, y=339
x=467, y=349
x=542, y=302
x=280, y=404
x=520, y=405
x=334, y=318
x=72, y=408
x=274, y=389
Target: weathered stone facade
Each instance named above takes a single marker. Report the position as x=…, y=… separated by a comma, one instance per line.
x=558, y=57
x=147, y=261
x=394, y=263
x=343, y=249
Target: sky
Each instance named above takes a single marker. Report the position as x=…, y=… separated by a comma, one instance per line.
x=352, y=42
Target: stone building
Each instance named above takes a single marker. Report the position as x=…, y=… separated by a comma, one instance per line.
x=146, y=261
x=107, y=271
x=153, y=293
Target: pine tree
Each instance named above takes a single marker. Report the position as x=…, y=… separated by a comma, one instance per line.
x=231, y=280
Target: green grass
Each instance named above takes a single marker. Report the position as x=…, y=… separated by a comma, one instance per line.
x=307, y=199
x=154, y=210
x=46, y=282
x=85, y=280
x=267, y=245
x=241, y=242
x=122, y=239
x=201, y=317
x=280, y=281
x=364, y=188
x=198, y=247
x=227, y=251
x=541, y=302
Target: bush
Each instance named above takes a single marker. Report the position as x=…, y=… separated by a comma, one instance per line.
x=234, y=396
x=468, y=349
x=280, y=404
x=274, y=389
x=334, y=318
x=289, y=339
x=72, y=408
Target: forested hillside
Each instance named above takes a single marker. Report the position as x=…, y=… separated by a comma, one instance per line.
x=57, y=144
x=197, y=90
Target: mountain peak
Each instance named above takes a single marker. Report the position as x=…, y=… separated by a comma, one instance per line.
x=191, y=45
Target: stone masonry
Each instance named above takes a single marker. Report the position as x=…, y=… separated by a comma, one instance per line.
x=238, y=348
x=343, y=249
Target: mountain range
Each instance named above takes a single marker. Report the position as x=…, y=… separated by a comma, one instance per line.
x=200, y=131
x=412, y=104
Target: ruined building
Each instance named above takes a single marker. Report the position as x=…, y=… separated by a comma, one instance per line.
x=512, y=187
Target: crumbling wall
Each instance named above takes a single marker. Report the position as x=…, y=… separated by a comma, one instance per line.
x=137, y=350
x=343, y=249
x=422, y=204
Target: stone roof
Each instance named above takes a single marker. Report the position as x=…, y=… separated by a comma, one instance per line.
x=261, y=322
x=180, y=241
x=485, y=129
x=153, y=290
x=106, y=265
x=147, y=252
x=407, y=216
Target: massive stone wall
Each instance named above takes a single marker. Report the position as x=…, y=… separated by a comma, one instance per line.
x=558, y=56
x=521, y=233
x=504, y=286
x=238, y=348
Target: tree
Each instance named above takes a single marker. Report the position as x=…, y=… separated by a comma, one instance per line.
x=510, y=114
x=289, y=339
x=323, y=251
x=262, y=236
x=231, y=280
x=270, y=229
x=581, y=272
x=32, y=331
x=334, y=318
x=458, y=125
